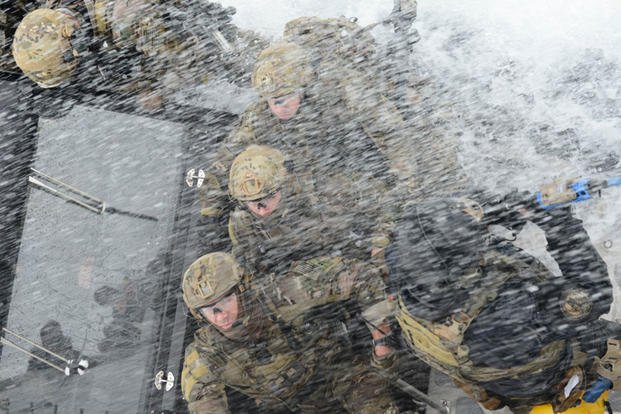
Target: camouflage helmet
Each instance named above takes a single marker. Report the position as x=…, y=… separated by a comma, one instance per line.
x=281, y=69
x=208, y=279
x=42, y=47
x=256, y=173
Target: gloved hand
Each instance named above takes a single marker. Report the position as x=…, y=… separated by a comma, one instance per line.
x=597, y=389
x=403, y=15
x=557, y=192
x=404, y=9
x=387, y=365
x=383, y=355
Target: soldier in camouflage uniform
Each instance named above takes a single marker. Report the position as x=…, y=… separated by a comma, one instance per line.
x=282, y=227
x=280, y=350
x=280, y=218
x=495, y=319
x=327, y=117
x=145, y=47
x=311, y=120
x=379, y=80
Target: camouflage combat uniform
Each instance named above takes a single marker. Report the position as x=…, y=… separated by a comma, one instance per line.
x=325, y=136
x=345, y=126
x=312, y=378
x=300, y=228
x=431, y=120
x=303, y=244
x=290, y=350
x=392, y=95
x=326, y=145
x=305, y=224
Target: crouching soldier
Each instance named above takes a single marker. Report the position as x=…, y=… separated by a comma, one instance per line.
x=294, y=358
x=498, y=322
x=282, y=218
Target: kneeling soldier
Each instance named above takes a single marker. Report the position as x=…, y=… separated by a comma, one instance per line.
x=297, y=359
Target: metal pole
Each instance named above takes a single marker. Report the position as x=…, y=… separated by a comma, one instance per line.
x=67, y=186
x=7, y=342
x=65, y=191
x=414, y=392
x=37, y=345
x=65, y=197
x=113, y=210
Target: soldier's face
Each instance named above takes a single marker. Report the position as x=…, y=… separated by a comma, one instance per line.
x=266, y=206
x=224, y=313
x=285, y=107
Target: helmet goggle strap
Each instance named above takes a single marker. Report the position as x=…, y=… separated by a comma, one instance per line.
x=243, y=316
x=282, y=99
x=261, y=201
x=213, y=305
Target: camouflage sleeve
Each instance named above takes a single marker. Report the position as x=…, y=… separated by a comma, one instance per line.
x=362, y=205
x=329, y=279
x=421, y=151
x=244, y=133
x=201, y=389
x=244, y=240
x=177, y=39
x=380, y=204
x=382, y=122
x=435, y=155
x=369, y=291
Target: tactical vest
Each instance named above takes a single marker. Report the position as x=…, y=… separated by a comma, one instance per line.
x=274, y=371
x=441, y=344
x=312, y=295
